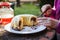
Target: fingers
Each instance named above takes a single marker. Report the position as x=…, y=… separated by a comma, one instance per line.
x=51, y=24
x=43, y=21
x=42, y=18
x=54, y=20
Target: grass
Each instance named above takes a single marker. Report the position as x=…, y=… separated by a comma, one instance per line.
x=27, y=9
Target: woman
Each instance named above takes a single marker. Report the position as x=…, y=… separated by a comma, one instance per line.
x=57, y=7
x=55, y=23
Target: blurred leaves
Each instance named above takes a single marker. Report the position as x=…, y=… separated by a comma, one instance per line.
x=27, y=9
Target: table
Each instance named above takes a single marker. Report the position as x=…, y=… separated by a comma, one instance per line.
x=44, y=35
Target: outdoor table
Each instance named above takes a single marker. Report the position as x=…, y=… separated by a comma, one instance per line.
x=43, y=35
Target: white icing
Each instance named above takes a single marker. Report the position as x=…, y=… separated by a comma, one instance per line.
x=7, y=16
x=16, y=20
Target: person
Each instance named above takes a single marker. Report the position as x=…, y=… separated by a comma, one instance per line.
x=57, y=8
x=55, y=23
x=47, y=11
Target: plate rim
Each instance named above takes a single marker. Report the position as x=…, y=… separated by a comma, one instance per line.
x=22, y=32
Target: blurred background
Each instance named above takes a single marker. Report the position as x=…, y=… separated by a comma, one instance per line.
x=28, y=6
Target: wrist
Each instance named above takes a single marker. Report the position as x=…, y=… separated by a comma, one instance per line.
x=58, y=24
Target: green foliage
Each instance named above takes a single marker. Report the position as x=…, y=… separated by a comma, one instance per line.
x=4, y=0
x=27, y=9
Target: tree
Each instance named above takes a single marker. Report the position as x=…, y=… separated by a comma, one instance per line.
x=38, y=1
x=18, y=3
x=4, y=0
x=1, y=0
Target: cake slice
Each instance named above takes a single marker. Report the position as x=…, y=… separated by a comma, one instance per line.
x=29, y=20
x=17, y=23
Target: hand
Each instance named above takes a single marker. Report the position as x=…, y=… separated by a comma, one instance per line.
x=54, y=22
x=44, y=21
x=51, y=24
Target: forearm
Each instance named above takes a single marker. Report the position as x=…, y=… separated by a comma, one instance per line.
x=54, y=23
x=58, y=25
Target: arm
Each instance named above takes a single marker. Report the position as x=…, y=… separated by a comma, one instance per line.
x=55, y=3
x=58, y=27
x=53, y=22
x=58, y=24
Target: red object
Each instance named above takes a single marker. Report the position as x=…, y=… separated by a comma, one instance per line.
x=0, y=5
x=6, y=4
x=0, y=21
x=6, y=20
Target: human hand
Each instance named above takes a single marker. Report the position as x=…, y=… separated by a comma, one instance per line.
x=50, y=22
x=44, y=21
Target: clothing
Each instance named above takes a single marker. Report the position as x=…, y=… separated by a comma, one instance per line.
x=57, y=7
x=58, y=36
x=58, y=28
x=56, y=3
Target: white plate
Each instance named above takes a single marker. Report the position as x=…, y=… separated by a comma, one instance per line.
x=26, y=30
